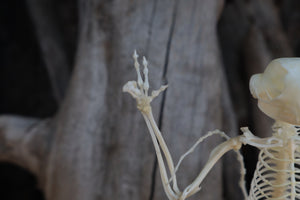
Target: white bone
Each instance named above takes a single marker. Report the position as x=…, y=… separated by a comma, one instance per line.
x=143, y=103
x=139, y=90
x=278, y=90
x=277, y=176
x=277, y=171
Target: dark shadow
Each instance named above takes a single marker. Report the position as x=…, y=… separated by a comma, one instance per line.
x=24, y=84
x=17, y=183
x=24, y=90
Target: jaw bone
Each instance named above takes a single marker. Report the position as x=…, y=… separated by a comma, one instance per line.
x=278, y=90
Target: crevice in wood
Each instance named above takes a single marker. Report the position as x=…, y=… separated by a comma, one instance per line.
x=164, y=82
x=153, y=176
x=151, y=24
x=169, y=42
x=154, y=168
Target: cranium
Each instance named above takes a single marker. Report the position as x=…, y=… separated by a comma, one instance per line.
x=278, y=90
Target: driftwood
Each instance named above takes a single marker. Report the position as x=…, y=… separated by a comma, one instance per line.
x=96, y=146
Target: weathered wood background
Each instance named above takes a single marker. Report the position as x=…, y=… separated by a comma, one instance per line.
x=75, y=135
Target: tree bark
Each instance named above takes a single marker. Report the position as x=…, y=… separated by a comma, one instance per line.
x=252, y=34
x=51, y=44
x=97, y=145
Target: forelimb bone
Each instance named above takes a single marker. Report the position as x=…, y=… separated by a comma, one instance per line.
x=215, y=155
x=139, y=90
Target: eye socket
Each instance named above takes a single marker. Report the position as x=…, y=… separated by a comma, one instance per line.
x=270, y=84
x=278, y=90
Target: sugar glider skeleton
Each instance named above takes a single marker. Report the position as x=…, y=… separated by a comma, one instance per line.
x=277, y=175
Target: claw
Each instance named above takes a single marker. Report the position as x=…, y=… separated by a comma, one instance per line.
x=146, y=82
x=155, y=93
x=139, y=89
x=137, y=68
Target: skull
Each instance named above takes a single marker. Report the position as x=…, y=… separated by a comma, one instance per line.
x=278, y=90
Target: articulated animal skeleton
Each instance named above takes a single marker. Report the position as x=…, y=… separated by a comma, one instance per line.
x=277, y=175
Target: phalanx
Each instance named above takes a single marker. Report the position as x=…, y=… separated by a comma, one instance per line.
x=277, y=175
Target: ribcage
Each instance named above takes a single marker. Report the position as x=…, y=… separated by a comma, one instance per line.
x=277, y=174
